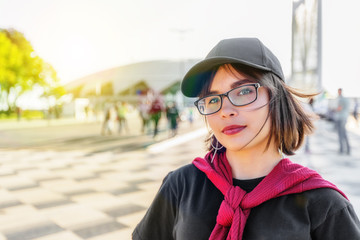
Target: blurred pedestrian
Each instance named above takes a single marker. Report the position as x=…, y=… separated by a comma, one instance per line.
x=172, y=114
x=342, y=114
x=191, y=116
x=356, y=112
x=144, y=108
x=106, y=128
x=155, y=114
x=244, y=188
x=122, y=110
x=309, y=109
x=18, y=113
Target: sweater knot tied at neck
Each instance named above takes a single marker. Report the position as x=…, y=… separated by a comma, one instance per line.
x=230, y=206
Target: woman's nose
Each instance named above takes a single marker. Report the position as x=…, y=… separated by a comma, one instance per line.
x=228, y=109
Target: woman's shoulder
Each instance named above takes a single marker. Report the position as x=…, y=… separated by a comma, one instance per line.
x=318, y=204
x=186, y=172
x=332, y=216
x=188, y=180
x=326, y=203
x=326, y=197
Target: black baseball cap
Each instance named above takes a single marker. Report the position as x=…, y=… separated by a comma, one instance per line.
x=248, y=51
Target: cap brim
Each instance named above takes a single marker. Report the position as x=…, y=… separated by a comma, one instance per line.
x=195, y=77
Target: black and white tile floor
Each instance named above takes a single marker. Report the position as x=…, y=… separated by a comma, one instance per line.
x=53, y=195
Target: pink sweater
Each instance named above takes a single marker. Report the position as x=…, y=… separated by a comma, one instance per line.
x=286, y=178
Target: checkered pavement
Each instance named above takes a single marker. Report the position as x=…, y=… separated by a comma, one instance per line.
x=70, y=195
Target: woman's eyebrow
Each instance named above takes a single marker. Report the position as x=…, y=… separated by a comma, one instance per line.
x=233, y=85
x=241, y=82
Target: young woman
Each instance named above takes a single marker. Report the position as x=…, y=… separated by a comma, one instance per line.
x=244, y=188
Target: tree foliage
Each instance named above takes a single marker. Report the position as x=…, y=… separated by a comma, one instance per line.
x=21, y=69
x=51, y=86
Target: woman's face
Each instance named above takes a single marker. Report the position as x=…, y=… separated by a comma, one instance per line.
x=239, y=128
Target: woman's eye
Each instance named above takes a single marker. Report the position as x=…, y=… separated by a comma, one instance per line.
x=245, y=91
x=213, y=100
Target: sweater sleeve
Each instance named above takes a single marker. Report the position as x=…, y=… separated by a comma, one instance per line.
x=158, y=222
x=338, y=225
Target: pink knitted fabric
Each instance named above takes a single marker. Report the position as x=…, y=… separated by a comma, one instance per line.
x=286, y=178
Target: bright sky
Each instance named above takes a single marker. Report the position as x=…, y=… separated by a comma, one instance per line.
x=81, y=37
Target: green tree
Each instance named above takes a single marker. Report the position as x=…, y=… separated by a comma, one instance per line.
x=20, y=67
x=51, y=86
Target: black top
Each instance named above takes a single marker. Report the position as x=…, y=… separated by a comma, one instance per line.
x=187, y=203
x=247, y=185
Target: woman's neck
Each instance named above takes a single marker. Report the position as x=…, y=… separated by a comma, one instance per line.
x=249, y=164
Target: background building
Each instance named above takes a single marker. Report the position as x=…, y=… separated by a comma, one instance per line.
x=125, y=82
x=129, y=83
x=306, y=47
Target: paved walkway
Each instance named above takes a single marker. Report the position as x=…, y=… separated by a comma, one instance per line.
x=72, y=195
x=68, y=134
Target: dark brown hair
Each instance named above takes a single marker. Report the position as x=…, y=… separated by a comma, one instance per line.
x=289, y=121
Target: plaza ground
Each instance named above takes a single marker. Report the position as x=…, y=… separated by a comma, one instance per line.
x=64, y=180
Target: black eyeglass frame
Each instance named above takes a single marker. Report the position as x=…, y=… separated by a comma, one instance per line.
x=256, y=85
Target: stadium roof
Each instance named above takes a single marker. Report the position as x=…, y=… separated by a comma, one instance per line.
x=158, y=75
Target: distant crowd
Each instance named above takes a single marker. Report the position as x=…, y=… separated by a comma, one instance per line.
x=151, y=111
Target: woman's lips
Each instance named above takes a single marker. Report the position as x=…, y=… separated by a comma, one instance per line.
x=233, y=129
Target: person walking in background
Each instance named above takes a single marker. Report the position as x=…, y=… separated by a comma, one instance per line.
x=342, y=114
x=172, y=114
x=356, y=112
x=121, y=110
x=244, y=187
x=155, y=114
x=144, y=108
x=190, y=116
x=18, y=113
x=106, y=128
x=309, y=109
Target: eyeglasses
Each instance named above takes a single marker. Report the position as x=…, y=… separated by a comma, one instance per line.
x=239, y=96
